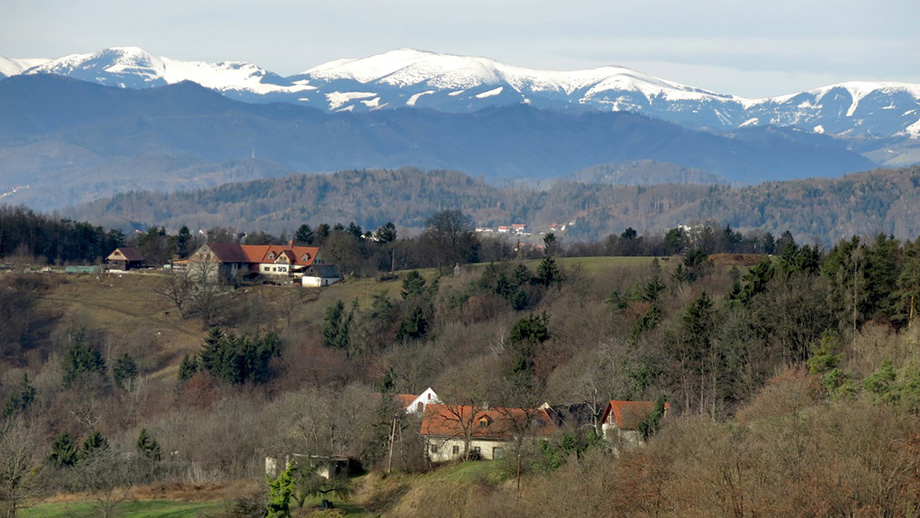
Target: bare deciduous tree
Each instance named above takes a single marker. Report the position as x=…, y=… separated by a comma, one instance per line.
x=19, y=465
x=107, y=475
x=208, y=296
x=176, y=289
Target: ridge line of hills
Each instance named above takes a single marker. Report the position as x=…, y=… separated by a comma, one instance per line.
x=820, y=210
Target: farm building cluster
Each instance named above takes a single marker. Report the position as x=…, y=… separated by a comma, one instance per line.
x=227, y=261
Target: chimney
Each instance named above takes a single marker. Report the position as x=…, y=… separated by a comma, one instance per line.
x=291, y=243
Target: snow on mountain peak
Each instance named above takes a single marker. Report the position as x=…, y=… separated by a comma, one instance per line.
x=409, y=67
x=409, y=77
x=118, y=61
x=365, y=70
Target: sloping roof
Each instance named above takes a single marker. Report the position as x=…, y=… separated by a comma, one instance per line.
x=128, y=252
x=404, y=400
x=576, y=415
x=492, y=423
x=228, y=252
x=326, y=271
x=254, y=254
x=294, y=253
x=628, y=414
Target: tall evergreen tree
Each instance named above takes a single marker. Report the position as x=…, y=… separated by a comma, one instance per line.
x=93, y=443
x=148, y=447
x=336, y=327
x=81, y=359
x=548, y=273
x=124, y=371
x=63, y=451
x=303, y=235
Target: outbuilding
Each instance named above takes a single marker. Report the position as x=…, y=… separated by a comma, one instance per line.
x=125, y=258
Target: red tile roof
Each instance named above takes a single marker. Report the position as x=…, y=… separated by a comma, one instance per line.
x=254, y=254
x=495, y=423
x=628, y=414
x=405, y=400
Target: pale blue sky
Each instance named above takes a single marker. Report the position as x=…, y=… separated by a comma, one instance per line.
x=750, y=48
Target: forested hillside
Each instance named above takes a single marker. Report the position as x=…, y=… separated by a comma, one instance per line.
x=814, y=210
x=792, y=384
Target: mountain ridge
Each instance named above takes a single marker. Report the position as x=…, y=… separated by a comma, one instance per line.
x=516, y=142
x=423, y=79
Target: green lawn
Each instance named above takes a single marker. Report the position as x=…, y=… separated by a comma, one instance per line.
x=137, y=509
x=468, y=472
x=600, y=264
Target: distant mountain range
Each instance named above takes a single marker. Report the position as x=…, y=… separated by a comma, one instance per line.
x=409, y=78
x=65, y=142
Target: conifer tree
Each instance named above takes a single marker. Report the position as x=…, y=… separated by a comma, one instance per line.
x=63, y=451
x=124, y=371
x=148, y=447
x=280, y=492
x=94, y=442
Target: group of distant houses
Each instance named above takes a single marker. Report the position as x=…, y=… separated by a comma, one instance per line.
x=454, y=431
x=228, y=261
x=458, y=432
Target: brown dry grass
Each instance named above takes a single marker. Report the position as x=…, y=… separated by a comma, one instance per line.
x=177, y=492
x=735, y=259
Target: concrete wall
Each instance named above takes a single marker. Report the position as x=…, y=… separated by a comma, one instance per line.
x=318, y=282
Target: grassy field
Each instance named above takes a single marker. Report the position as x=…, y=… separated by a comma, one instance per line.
x=138, y=321
x=137, y=509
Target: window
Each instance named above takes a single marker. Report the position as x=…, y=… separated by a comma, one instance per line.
x=477, y=450
x=484, y=421
x=305, y=257
x=434, y=448
x=456, y=450
x=420, y=406
x=498, y=453
x=271, y=256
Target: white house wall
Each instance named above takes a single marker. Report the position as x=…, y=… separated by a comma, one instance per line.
x=442, y=450
x=318, y=282
x=274, y=269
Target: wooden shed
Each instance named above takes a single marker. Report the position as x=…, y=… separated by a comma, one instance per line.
x=125, y=258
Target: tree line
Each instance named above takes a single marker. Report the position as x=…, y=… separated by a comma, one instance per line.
x=27, y=234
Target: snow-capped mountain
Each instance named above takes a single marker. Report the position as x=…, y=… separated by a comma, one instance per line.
x=12, y=67
x=131, y=67
x=412, y=78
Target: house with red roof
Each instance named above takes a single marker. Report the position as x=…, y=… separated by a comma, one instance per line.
x=415, y=404
x=228, y=260
x=620, y=421
x=465, y=431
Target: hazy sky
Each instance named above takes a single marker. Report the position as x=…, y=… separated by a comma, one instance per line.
x=744, y=47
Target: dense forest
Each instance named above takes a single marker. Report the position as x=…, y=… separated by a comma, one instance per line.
x=792, y=379
x=817, y=210
x=27, y=235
